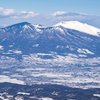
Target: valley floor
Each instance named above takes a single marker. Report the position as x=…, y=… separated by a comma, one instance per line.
x=10, y=91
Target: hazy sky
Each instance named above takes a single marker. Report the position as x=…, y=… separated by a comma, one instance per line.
x=49, y=12
x=51, y=6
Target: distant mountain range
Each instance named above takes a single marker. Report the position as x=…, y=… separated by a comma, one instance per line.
x=67, y=53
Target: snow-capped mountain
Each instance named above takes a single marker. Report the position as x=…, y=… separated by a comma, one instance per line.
x=37, y=38
x=23, y=29
x=60, y=54
x=82, y=27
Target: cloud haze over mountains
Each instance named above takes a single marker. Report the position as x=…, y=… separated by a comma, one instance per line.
x=11, y=16
x=11, y=13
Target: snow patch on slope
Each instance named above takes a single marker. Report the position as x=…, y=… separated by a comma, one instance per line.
x=35, y=45
x=85, y=51
x=23, y=93
x=45, y=99
x=97, y=95
x=37, y=27
x=27, y=27
x=1, y=47
x=61, y=30
x=4, y=78
x=17, y=52
x=82, y=27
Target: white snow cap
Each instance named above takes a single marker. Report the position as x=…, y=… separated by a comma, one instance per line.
x=82, y=27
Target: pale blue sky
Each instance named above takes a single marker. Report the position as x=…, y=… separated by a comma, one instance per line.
x=51, y=6
x=43, y=11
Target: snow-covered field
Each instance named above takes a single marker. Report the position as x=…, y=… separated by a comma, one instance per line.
x=70, y=70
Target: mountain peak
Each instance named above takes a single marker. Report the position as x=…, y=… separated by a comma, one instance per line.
x=82, y=27
x=22, y=23
x=19, y=24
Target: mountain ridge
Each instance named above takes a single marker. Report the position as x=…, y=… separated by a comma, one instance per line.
x=57, y=55
x=75, y=25
x=53, y=36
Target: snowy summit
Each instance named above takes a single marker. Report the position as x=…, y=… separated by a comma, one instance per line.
x=82, y=27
